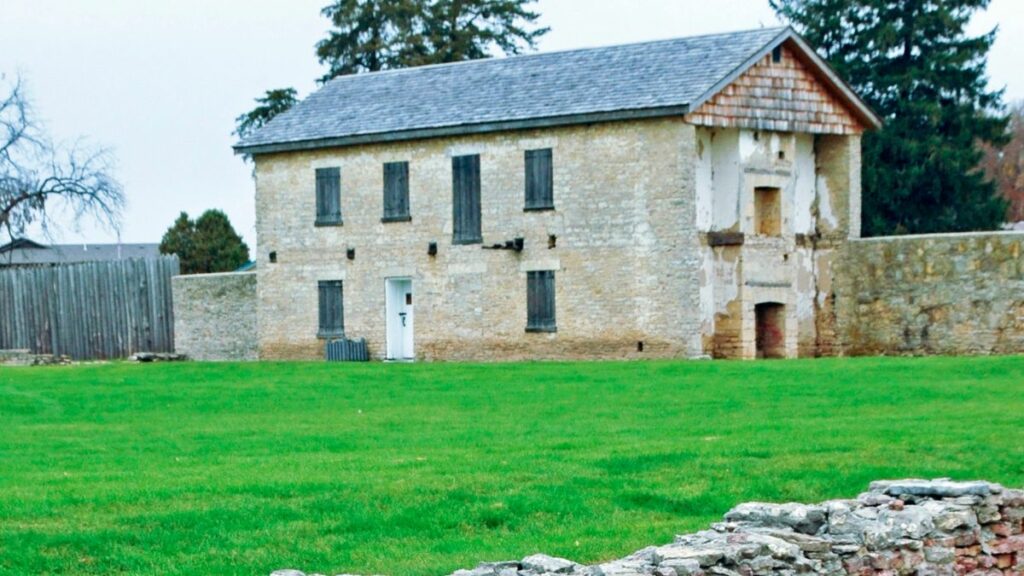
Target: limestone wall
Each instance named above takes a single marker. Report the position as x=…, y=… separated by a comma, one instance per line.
x=621, y=240
x=897, y=528
x=932, y=294
x=215, y=316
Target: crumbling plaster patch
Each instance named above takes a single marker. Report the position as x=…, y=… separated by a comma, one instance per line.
x=786, y=268
x=804, y=184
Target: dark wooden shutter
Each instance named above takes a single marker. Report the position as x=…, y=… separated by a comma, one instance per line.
x=539, y=180
x=396, y=191
x=540, y=301
x=328, y=196
x=466, y=199
x=332, y=308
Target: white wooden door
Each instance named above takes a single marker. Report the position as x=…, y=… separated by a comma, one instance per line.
x=400, y=319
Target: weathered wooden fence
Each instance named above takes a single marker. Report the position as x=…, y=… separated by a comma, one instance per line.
x=94, y=310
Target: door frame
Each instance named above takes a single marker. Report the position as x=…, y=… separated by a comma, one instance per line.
x=390, y=293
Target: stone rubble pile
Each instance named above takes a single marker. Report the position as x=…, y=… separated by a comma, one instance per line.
x=922, y=527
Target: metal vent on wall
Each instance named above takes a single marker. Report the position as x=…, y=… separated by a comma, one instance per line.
x=347, y=351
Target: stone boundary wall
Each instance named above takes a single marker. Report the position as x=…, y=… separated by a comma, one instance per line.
x=948, y=294
x=897, y=528
x=215, y=316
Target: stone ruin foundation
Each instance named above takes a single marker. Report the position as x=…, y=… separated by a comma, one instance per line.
x=902, y=527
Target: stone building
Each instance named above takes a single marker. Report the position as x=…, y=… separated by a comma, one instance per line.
x=668, y=199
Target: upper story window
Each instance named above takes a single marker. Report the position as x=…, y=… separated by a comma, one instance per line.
x=539, y=180
x=328, y=196
x=331, y=309
x=466, y=199
x=540, y=301
x=396, y=192
x=767, y=211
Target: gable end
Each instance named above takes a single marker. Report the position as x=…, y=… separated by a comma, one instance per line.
x=785, y=95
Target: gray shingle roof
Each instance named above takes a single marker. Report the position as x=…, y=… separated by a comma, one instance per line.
x=28, y=253
x=485, y=95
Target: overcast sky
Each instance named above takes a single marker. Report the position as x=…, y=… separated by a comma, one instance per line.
x=161, y=81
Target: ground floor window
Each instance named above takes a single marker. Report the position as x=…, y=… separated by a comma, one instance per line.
x=332, y=309
x=540, y=301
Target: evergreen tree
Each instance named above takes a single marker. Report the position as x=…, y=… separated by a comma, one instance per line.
x=269, y=105
x=209, y=244
x=370, y=35
x=1005, y=165
x=458, y=30
x=373, y=35
x=912, y=61
x=180, y=239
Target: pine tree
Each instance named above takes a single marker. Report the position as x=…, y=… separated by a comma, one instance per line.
x=209, y=244
x=370, y=35
x=218, y=248
x=1005, y=165
x=913, y=62
x=269, y=105
x=180, y=239
x=457, y=30
x=373, y=35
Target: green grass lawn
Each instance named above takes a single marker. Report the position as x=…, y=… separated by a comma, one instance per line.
x=421, y=469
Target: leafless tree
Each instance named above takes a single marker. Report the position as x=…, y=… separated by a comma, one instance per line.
x=1005, y=165
x=44, y=184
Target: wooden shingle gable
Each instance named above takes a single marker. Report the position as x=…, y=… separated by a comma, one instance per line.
x=785, y=90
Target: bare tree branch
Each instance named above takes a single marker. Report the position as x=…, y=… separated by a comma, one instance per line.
x=42, y=183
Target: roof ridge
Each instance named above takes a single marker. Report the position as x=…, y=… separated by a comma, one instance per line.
x=648, y=79
x=410, y=69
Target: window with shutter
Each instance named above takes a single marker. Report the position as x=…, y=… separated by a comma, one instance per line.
x=539, y=180
x=396, y=192
x=466, y=199
x=328, y=196
x=332, y=309
x=540, y=301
